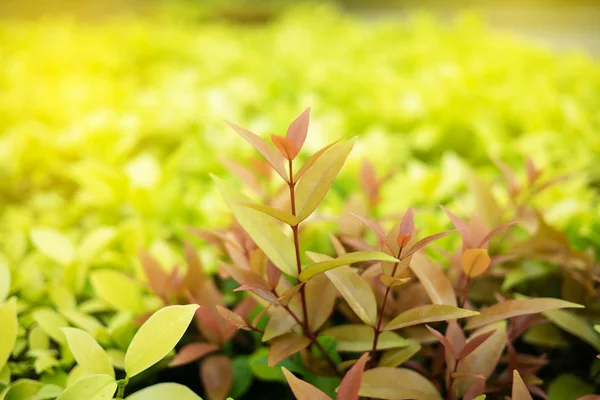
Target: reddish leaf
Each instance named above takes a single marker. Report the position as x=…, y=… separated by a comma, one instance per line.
x=157, y=277
x=494, y=232
x=513, y=186
x=424, y=242
x=216, y=374
x=407, y=225
x=192, y=352
x=244, y=174
x=376, y=229
x=368, y=180
x=532, y=172
x=286, y=147
x=474, y=343
x=447, y=345
x=460, y=226
x=297, y=131
x=232, y=317
x=284, y=346
x=303, y=390
x=350, y=385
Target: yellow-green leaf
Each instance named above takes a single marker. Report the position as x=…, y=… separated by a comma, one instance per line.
x=426, y=314
x=396, y=384
x=434, y=281
x=5, y=280
x=396, y=357
x=349, y=258
x=23, y=389
x=360, y=338
x=88, y=353
x=575, y=325
x=320, y=301
x=53, y=244
x=117, y=289
x=475, y=262
x=263, y=229
x=157, y=337
x=8, y=332
x=312, y=159
x=318, y=178
x=280, y=322
x=513, y=308
x=92, y=387
x=51, y=322
x=94, y=242
x=281, y=215
x=164, y=391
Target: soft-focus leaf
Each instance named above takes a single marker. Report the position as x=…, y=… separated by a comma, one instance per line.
x=486, y=205
x=434, y=281
x=360, y=338
x=8, y=333
x=217, y=376
x=426, y=314
x=351, y=383
x=284, y=346
x=53, y=244
x=297, y=131
x=117, y=289
x=349, y=258
x=375, y=228
x=568, y=387
x=92, y=387
x=396, y=357
x=546, y=335
x=51, y=322
x=164, y=391
x=5, y=280
x=519, y=390
x=94, y=242
x=575, y=325
x=242, y=376
x=475, y=262
x=23, y=389
x=234, y=318
x=318, y=178
x=281, y=215
x=303, y=390
x=269, y=152
x=397, y=384
x=425, y=242
x=513, y=308
x=320, y=301
x=157, y=337
x=192, y=352
x=157, y=277
x=88, y=353
x=263, y=229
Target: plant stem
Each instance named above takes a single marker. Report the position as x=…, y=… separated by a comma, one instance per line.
x=451, y=381
x=377, y=327
x=121, y=384
x=466, y=293
x=297, y=242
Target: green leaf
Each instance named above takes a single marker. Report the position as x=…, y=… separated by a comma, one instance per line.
x=260, y=369
x=164, y=391
x=242, y=376
x=545, y=335
x=94, y=242
x=316, y=181
x=360, y=338
x=396, y=384
x=486, y=205
x=526, y=271
x=4, y=280
x=23, y=389
x=575, y=325
x=312, y=159
x=92, y=387
x=88, y=353
x=117, y=289
x=51, y=322
x=276, y=213
x=263, y=229
x=568, y=387
x=513, y=308
x=8, y=333
x=157, y=337
x=426, y=314
x=349, y=258
x=53, y=244
x=396, y=357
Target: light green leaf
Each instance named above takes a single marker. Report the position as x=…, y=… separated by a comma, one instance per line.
x=8, y=332
x=53, y=244
x=281, y=215
x=88, y=323
x=568, y=387
x=92, y=387
x=318, y=178
x=357, y=338
x=545, y=335
x=426, y=314
x=164, y=391
x=117, y=289
x=513, y=308
x=51, y=322
x=49, y=391
x=486, y=205
x=263, y=229
x=575, y=325
x=157, y=337
x=349, y=258
x=396, y=357
x=4, y=280
x=397, y=383
x=23, y=389
x=88, y=353
x=94, y=242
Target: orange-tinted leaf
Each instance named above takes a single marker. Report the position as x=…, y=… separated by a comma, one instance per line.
x=350, y=385
x=512, y=308
x=320, y=301
x=232, y=317
x=244, y=174
x=519, y=390
x=434, y=281
x=245, y=276
x=483, y=243
x=443, y=340
x=460, y=226
x=359, y=338
x=396, y=384
x=532, y=172
x=297, y=130
x=286, y=147
x=424, y=242
x=284, y=346
x=474, y=343
x=426, y=314
x=157, y=278
x=391, y=281
x=276, y=213
x=192, y=352
x=269, y=152
x=369, y=182
x=511, y=180
x=303, y=390
x=475, y=262
x=216, y=374
x=289, y=294
x=375, y=228
x=403, y=240
x=273, y=275
x=280, y=322
x=407, y=225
